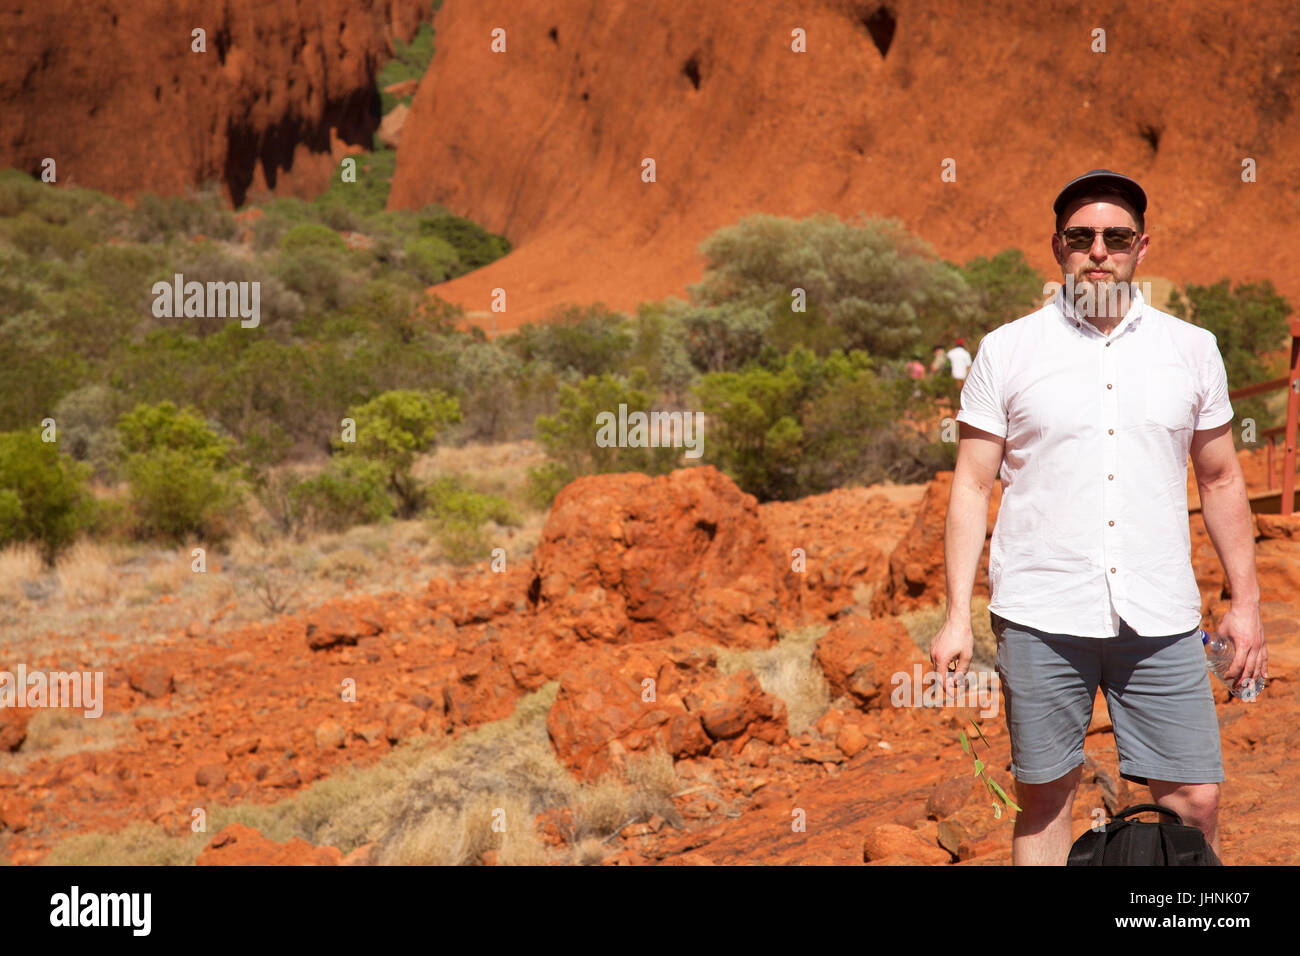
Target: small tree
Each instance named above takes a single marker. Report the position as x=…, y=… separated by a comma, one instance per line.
x=43, y=497
x=570, y=436
x=179, y=470
x=393, y=428
x=1247, y=320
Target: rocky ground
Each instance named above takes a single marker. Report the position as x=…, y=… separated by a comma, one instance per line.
x=638, y=609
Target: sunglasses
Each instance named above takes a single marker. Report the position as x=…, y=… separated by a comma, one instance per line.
x=1117, y=238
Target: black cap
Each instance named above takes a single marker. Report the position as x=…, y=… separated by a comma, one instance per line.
x=1126, y=187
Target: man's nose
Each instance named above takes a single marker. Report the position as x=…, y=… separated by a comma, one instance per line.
x=1098, y=250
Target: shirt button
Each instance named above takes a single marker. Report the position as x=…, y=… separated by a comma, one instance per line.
x=1112, y=524
x=1110, y=477
x=1112, y=570
x=1110, y=431
x=1110, y=386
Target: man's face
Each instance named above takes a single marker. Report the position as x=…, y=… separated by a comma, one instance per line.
x=1098, y=266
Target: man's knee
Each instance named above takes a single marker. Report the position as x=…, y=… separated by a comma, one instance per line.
x=1049, y=797
x=1199, y=801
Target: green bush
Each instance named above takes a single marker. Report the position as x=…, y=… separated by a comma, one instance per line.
x=806, y=425
x=86, y=420
x=310, y=237
x=430, y=258
x=348, y=491
x=457, y=516
x=43, y=496
x=576, y=341
x=475, y=246
x=1247, y=320
x=158, y=218
x=409, y=62
x=44, y=239
x=878, y=285
x=1006, y=287
x=179, y=472
x=350, y=202
x=570, y=436
x=392, y=428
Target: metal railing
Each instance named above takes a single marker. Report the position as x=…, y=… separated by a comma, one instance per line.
x=1291, y=382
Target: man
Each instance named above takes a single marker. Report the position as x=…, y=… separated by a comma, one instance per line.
x=1089, y=408
x=960, y=359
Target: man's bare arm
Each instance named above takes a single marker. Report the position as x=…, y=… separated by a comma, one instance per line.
x=979, y=457
x=1226, y=511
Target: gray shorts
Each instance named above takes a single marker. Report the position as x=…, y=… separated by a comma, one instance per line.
x=1157, y=691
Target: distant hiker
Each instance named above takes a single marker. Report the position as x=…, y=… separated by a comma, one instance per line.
x=960, y=360
x=1088, y=415
x=914, y=368
x=940, y=360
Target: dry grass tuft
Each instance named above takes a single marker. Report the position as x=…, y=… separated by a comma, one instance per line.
x=788, y=671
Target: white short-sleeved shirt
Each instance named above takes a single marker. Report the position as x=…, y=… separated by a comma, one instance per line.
x=1093, y=521
x=960, y=360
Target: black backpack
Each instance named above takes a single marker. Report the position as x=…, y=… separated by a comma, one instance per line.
x=1123, y=842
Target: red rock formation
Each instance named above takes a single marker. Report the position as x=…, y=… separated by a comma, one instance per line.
x=544, y=143
x=632, y=558
x=916, y=566
x=115, y=95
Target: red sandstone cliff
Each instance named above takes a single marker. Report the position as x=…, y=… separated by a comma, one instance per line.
x=544, y=142
x=113, y=92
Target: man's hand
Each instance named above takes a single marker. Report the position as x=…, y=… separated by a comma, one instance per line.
x=953, y=643
x=1242, y=623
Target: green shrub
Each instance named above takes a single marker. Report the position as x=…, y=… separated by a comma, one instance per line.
x=457, y=516
x=310, y=237
x=430, y=258
x=348, y=491
x=86, y=420
x=577, y=341
x=570, y=436
x=1247, y=320
x=877, y=284
x=409, y=62
x=158, y=218
x=1005, y=288
x=350, y=202
x=44, y=239
x=43, y=497
x=475, y=246
x=807, y=424
x=179, y=472
x=392, y=428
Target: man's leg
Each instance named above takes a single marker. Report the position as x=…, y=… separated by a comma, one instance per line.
x=1048, y=685
x=1196, y=803
x=1166, y=729
x=1042, y=833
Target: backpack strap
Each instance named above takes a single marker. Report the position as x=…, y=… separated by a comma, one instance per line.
x=1171, y=851
x=1099, y=848
x=1142, y=807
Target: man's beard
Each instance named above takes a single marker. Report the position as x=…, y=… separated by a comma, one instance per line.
x=1098, y=298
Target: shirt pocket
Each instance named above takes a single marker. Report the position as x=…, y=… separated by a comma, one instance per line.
x=1170, y=398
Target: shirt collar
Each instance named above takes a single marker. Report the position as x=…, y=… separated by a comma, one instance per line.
x=1132, y=317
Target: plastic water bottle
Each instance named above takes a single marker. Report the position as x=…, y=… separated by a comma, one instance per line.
x=1219, y=651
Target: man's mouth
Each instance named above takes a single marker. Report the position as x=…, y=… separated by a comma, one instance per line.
x=1097, y=274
